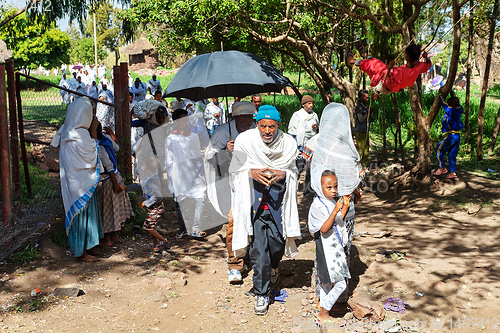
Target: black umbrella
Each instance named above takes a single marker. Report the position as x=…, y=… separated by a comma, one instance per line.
x=225, y=73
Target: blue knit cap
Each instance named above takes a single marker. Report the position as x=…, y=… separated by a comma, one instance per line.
x=268, y=112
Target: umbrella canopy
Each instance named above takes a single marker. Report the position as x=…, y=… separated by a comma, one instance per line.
x=225, y=73
x=77, y=67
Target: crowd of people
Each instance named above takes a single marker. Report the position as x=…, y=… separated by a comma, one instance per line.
x=247, y=167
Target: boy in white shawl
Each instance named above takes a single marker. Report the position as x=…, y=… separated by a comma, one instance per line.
x=264, y=181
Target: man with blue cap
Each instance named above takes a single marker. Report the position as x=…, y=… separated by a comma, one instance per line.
x=263, y=178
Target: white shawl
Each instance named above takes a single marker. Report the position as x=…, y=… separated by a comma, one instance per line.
x=335, y=148
x=250, y=152
x=78, y=158
x=301, y=125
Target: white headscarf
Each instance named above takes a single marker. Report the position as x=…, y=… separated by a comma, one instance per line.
x=250, y=152
x=335, y=149
x=78, y=158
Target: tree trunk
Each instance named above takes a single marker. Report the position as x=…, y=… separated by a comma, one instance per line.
x=384, y=134
x=482, y=104
x=469, y=73
x=423, y=165
x=495, y=133
x=398, y=127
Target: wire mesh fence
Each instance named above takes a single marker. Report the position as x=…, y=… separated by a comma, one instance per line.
x=27, y=223
x=41, y=112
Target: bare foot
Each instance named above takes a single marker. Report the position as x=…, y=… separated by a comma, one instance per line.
x=87, y=257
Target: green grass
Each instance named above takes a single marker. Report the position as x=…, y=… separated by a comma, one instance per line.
x=25, y=256
x=39, y=179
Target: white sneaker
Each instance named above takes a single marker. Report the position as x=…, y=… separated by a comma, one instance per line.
x=234, y=275
x=261, y=305
x=275, y=275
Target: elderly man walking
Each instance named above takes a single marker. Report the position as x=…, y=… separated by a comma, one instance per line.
x=264, y=180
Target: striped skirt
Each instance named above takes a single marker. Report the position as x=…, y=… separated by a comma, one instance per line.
x=115, y=208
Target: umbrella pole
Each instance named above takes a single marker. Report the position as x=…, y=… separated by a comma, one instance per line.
x=274, y=99
x=227, y=107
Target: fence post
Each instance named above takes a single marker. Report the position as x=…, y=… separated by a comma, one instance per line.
x=126, y=119
x=14, y=139
x=117, y=75
x=21, y=134
x=5, y=156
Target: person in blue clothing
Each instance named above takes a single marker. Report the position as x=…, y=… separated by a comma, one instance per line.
x=451, y=127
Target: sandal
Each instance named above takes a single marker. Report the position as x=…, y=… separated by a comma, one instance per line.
x=451, y=176
x=440, y=172
x=199, y=234
x=158, y=247
x=183, y=234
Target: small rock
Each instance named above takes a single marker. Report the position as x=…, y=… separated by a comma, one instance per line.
x=304, y=301
x=304, y=314
x=69, y=291
x=348, y=316
x=164, y=283
x=244, y=321
x=379, y=257
x=164, y=306
x=180, y=282
x=473, y=209
x=364, y=306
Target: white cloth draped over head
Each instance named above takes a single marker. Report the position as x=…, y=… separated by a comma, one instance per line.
x=301, y=125
x=78, y=158
x=335, y=149
x=250, y=152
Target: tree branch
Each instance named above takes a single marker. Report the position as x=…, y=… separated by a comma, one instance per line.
x=16, y=14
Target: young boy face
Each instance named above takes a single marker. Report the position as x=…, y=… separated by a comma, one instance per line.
x=329, y=185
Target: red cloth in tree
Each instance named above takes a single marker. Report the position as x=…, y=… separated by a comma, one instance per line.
x=399, y=77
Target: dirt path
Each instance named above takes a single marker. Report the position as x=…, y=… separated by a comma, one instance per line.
x=451, y=262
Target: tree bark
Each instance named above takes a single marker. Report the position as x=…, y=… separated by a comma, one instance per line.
x=398, y=127
x=495, y=133
x=469, y=73
x=482, y=104
x=384, y=134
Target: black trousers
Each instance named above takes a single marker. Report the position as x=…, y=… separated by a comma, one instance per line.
x=266, y=250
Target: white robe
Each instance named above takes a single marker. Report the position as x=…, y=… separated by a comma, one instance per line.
x=184, y=166
x=154, y=85
x=78, y=159
x=210, y=119
x=66, y=96
x=105, y=113
x=301, y=125
x=250, y=152
x=139, y=92
x=81, y=88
